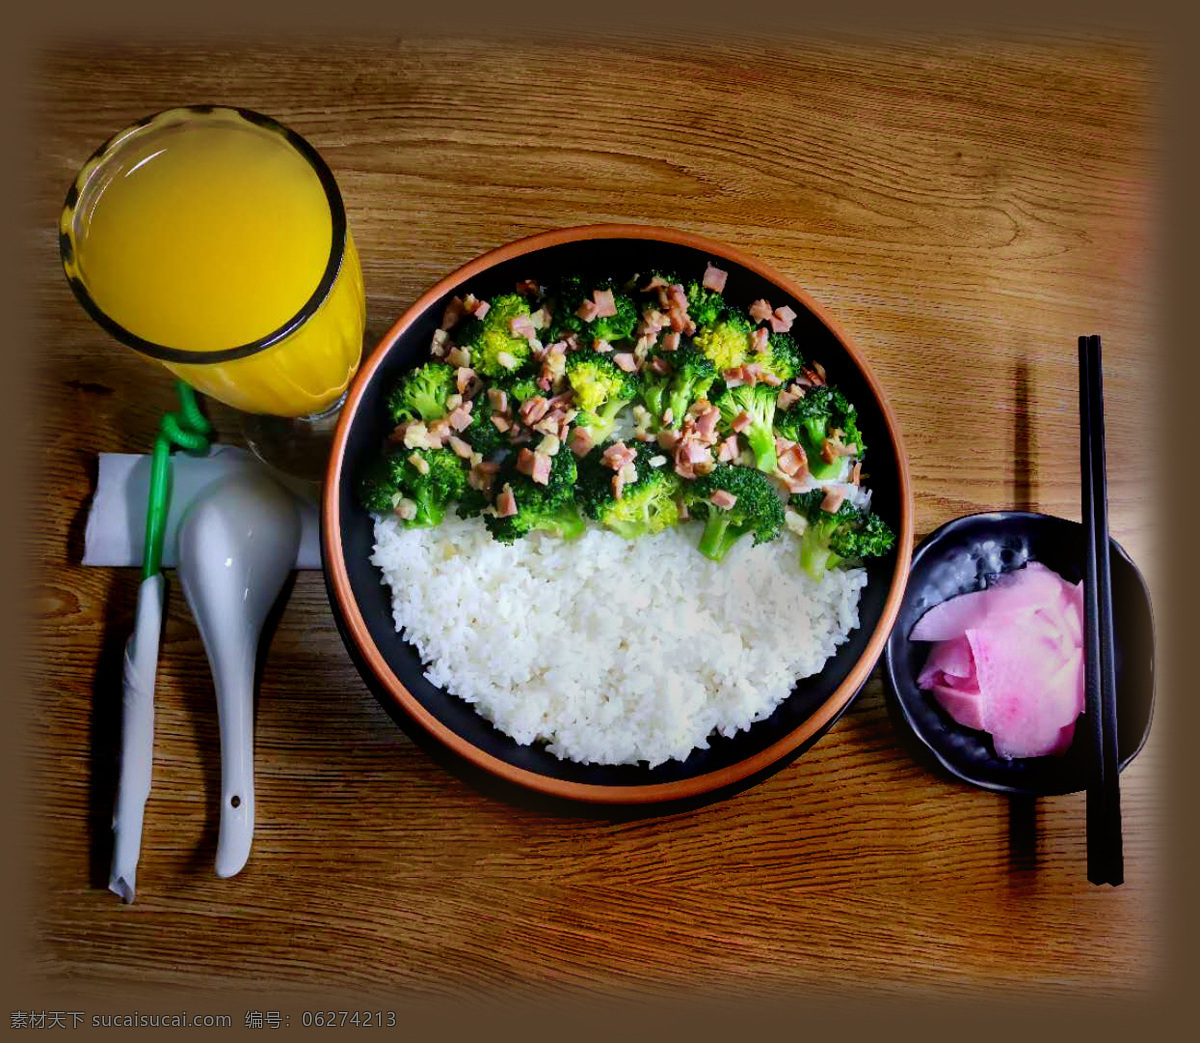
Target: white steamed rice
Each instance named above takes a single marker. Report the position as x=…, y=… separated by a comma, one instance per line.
x=612, y=651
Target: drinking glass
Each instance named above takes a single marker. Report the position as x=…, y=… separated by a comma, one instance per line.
x=214, y=241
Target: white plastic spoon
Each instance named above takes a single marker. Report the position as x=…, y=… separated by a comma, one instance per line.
x=236, y=547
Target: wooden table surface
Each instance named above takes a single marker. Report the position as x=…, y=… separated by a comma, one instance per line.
x=965, y=208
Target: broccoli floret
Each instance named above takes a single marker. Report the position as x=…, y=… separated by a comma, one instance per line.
x=422, y=392
x=572, y=292
x=831, y=538
x=691, y=377
x=602, y=389
x=546, y=508
x=727, y=342
x=647, y=505
x=813, y=419
x=705, y=307
x=758, y=403
x=481, y=434
x=472, y=503
x=430, y=486
x=757, y=509
x=519, y=388
x=782, y=357
x=495, y=351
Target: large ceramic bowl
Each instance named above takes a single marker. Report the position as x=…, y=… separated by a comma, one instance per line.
x=448, y=727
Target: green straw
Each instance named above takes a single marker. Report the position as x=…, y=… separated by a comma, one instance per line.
x=186, y=429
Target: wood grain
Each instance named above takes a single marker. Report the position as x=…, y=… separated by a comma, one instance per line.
x=966, y=209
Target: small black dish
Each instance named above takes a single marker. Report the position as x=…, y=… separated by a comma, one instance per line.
x=960, y=557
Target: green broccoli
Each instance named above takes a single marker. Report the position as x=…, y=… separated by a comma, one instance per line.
x=495, y=350
x=756, y=510
x=602, y=389
x=727, y=342
x=782, y=357
x=422, y=392
x=481, y=434
x=831, y=538
x=705, y=307
x=547, y=508
x=757, y=401
x=570, y=295
x=647, y=505
x=813, y=419
x=691, y=377
x=429, y=486
x=519, y=388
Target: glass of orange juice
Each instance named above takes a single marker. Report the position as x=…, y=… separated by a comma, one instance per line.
x=214, y=240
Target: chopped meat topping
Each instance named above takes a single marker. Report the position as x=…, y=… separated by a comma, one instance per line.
x=714, y=278
x=506, y=503
x=761, y=310
x=723, y=498
x=833, y=501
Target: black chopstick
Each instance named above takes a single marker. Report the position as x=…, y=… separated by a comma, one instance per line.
x=1104, y=855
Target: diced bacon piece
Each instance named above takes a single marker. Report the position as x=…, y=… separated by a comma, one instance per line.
x=548, y=446
x=740, y=422
x=819, y=372
x=626, y=361
x=545, y=381
x=834, y=499
x=587, y=310
x=533, y=409
x=606, y=306
x=677, y=295
x=464, y=379
x=706, y=423
x=653, y=320
x=729, y=449
x=580, y=441
x=723, y=498
x=734, y=377
x=482, y=474
x=522, y=326
x=481, y=309
x=770, y=379
x=671, y=341
x=778, y=325
x=506, y=503
x=455, y=310
x=459, y=357
x=460, y=419
x=856, y=473
x=419, y=462
x=788, y=397
x=440, y=344
x=761, y=310
x=714, y=278
x=501, y=423
x=668, y=416
x=541, y=467
x=829, y=451
x=439, y=431
x=525, y=462
x=786, y=314
x=660, y=366
x=656, y=281
x=761, y=339
x=618, y=486
x=618, y=455
x=601, y=347
x=507, y=360
x=406, y=509
x=498, y=400
x=679, y=320
x=540, y=318
x=792, y=461
x=754, y=373
x=695, y=453
x=529, y=288
x=459, y=447
x=657, y=461
x=668, y=439
x=792, y=483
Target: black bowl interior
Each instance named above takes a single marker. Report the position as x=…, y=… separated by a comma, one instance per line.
x=959, y=557
x=599, y=257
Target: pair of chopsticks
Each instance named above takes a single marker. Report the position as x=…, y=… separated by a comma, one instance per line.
x=1105, y=862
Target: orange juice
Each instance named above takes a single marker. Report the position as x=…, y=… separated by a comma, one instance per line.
x=216, y=242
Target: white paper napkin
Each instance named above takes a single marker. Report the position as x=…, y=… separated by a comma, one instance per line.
x=116, y=525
